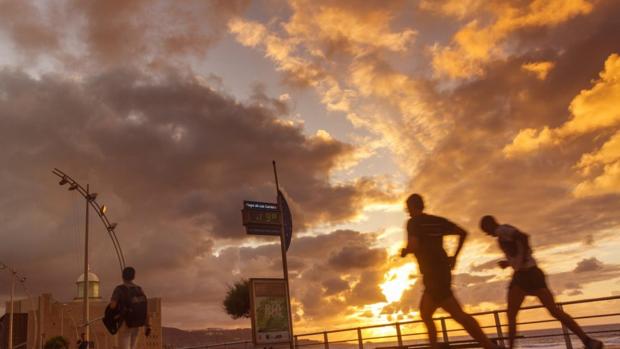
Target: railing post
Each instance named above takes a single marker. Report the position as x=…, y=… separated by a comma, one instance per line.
x=569, y=344
x=296, y=338
x=325, y=340
x=360, y=340
x=398, y=335
x=498, y=328
x=444, y=331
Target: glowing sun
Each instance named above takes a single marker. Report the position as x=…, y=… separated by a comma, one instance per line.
x=397, y=281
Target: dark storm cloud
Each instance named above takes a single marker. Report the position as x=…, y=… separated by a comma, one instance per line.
x=353, y=257
x=173, y=159
x=93, y=33
x=365, y=276
x=27, y=26
x=315, y=284
x=334, y=286
x=175, y=145
x=588, y=264
x=367, y=291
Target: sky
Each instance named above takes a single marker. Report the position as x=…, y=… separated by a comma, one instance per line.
x=173, y=111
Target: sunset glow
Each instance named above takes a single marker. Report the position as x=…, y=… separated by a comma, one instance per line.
x=175, y=112
x=397, y=281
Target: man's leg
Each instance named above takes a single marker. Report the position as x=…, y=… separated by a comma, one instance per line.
x=427, y=309
x=135, y=331
x=546, y=298
x=452, y=306
x=515, y=299
x=124, y=337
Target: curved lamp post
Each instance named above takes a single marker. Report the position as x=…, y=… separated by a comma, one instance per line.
x=21, y=279
x=101, y=210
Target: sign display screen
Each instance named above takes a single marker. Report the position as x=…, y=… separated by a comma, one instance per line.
x=270, y=320
x=261, y=218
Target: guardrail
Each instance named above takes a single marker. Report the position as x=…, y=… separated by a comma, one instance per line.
x=400, y=335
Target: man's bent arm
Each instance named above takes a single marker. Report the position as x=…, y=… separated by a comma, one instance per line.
x=412, y=245
x=462, y=236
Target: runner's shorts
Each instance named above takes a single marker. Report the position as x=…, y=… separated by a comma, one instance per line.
x=438, y=284
x=529, y=280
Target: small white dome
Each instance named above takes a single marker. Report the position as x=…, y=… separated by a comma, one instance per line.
x=92, y=277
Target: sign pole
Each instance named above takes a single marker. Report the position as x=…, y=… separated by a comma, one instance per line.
x=284, y=263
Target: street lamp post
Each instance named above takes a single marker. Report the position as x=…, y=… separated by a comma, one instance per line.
x=85, y=290
x=11, y=309
x=101, y=210
x=14, y=277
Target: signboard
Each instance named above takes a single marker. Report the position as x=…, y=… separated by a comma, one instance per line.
x=261, y=218
x=269, y=311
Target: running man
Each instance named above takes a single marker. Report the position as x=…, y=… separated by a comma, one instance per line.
x=425, y=240
x=528, y=279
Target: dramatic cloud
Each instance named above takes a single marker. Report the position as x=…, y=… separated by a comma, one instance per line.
x=339, y=49
x=90, y=34
x=476, y=44
x=172, y=158
x=592, y=110
x=606, y=163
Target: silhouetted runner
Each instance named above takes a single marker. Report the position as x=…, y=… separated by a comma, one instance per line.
x=425, y=240
x=528, y=279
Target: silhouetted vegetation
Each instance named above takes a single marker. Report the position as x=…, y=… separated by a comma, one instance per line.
x=58, y=342
x=237, y=300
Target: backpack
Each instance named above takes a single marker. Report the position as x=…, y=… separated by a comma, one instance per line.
x=112, y=319
x=134, y=304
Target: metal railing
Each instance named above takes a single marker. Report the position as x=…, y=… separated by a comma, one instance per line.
x=399, y=336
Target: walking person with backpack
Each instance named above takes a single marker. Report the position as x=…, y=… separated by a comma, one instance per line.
x=528, y=280
x=131, y=303
x=425, y=234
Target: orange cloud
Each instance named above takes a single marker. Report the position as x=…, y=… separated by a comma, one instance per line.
x=409, y=111
x=458, y=9
x=606, y=163
x=592, y=110
x=392, y=105
x=356, y=31
x=540, y=69
x=475, y=44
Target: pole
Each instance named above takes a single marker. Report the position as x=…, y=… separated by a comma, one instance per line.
x=85, y=290
x=498, y=328
x=62, y=320
x=11, y=309
x=284, y=263
x=567, y=341
x=444, y=331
